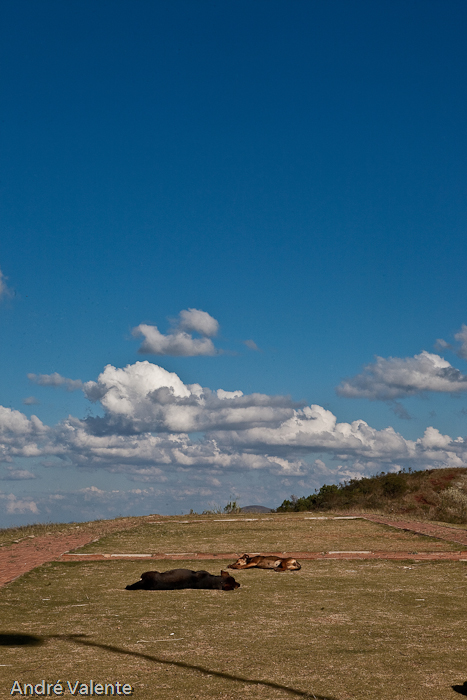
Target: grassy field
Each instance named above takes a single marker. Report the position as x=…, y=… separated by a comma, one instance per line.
x=336, y=630
x=283, y=533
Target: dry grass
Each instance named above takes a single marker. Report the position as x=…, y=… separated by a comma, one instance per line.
x=13, y=535
x=95, y=528
x=336, y=630
x=283, y=533
x=363, y=630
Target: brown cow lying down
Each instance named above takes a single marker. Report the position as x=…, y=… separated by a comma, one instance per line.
x=183, y=578
x=262, y=562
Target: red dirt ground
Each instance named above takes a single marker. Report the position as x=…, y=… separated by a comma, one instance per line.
x=19, y=558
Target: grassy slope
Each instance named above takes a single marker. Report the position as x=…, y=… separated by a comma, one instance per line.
x=435, y=494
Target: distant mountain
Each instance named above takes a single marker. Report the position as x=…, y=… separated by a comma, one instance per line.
x=256, y=509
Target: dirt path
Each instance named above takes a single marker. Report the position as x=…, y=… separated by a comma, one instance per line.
x=401, y=556
x=441, y=532
x=20, y=558
x=26, y=555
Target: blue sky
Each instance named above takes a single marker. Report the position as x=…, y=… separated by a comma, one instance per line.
x=261, y=198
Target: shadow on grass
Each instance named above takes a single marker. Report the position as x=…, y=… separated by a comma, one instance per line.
x=14, y=639
x=462, y=689
x=79, y=639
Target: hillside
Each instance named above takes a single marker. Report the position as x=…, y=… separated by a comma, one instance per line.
x=434, y=494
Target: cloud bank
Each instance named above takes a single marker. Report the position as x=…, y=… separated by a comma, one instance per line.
x=150, y=416
x=187, y=444
x=395, y=378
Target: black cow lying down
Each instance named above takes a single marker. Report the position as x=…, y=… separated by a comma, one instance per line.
x=176, y=579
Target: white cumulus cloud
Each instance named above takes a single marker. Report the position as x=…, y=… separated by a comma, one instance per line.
x=145, y=397
x=179, y=341
x=18, y=506
x=199, y=322
x=395, y=377
x=145, y=434
x=461, y=349
x=315, y=429
x=19, y=435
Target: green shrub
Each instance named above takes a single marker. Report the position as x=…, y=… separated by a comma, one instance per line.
x=417, y=493
x=394, y=485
